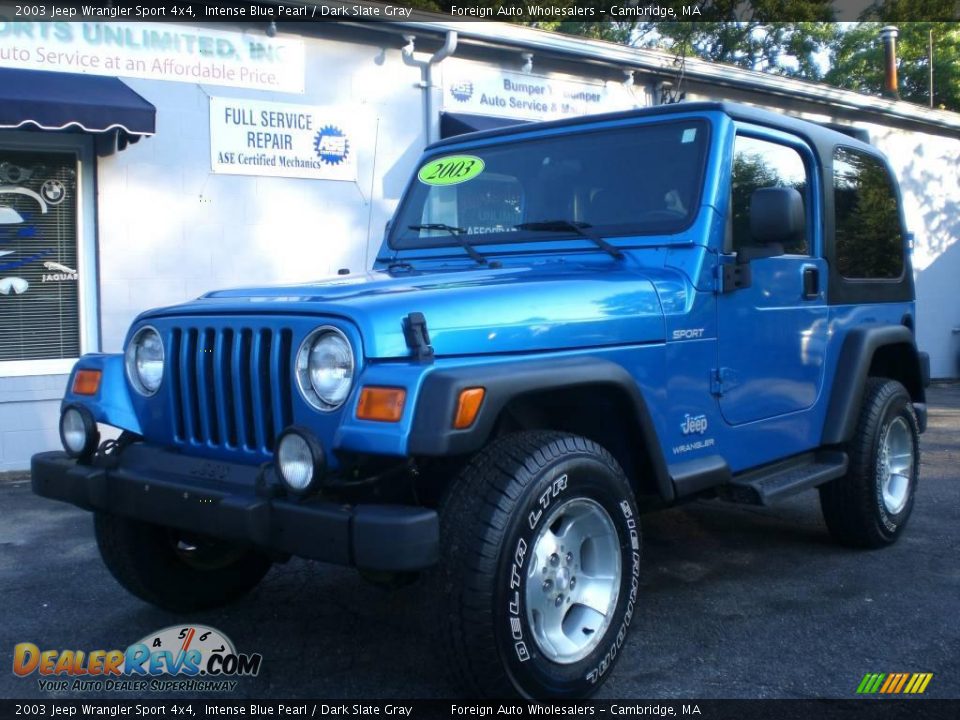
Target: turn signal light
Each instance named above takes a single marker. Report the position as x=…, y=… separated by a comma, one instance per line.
x=86, y=382
x=468, y=405
x=384, y=404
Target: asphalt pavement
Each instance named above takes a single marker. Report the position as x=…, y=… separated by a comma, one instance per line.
x=737, y=602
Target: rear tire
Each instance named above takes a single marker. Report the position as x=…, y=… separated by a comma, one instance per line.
x=540, y=569
x=175, y=572
x=869, y=506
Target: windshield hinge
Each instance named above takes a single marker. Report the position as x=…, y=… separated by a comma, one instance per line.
x=418, y=337
x=733, y=276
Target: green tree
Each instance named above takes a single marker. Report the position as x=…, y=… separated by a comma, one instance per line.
x=857, y=62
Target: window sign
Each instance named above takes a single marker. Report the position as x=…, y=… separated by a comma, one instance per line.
x=250, y=137
x=39, y=310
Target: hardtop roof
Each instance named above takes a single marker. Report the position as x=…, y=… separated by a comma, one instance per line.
x=813, y=132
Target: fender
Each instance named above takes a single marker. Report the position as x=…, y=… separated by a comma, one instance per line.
x=111, y=404
x=432, y=435
x=853, y=367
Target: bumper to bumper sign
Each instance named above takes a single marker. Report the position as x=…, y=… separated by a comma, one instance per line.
x=176, y=491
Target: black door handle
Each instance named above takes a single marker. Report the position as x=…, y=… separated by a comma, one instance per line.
x=811, y=283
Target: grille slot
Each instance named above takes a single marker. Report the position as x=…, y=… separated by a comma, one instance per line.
x=230, y=388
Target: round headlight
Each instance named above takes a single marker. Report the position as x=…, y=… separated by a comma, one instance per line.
x=300, y=460
x=78, y=431
x=325, y=368
x=144, y=361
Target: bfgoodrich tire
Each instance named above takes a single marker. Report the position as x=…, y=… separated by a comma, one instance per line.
x=173, y=571
x=540, y=567
x=869, y=506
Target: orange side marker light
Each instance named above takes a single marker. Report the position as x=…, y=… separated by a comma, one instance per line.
x=86, y=382
x=383, y=404
x=468, y=405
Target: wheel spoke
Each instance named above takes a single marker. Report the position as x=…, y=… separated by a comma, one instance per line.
x=594, y=594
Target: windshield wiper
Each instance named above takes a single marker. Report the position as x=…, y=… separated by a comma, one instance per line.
x=580, y=228
x=455, y=233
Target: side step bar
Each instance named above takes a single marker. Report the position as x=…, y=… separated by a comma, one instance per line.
x=770, y=484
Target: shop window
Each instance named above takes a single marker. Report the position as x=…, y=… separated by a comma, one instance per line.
x=868, y=237
x=39, y=301
x=762, y=164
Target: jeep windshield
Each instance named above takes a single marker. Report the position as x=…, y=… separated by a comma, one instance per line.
x=637, y=180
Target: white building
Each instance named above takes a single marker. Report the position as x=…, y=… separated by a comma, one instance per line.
x=279, y=158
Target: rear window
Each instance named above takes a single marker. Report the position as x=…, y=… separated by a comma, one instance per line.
x=869, y=239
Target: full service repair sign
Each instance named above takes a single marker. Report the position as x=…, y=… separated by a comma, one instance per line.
x=250, y=137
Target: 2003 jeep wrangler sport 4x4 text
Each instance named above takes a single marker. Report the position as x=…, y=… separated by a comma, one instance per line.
x=568, y=322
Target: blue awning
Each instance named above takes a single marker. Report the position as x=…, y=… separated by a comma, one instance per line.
x=102, y=106
x=460, y=123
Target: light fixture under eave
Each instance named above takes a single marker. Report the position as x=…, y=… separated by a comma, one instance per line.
x=527, y=62
x=272, y=29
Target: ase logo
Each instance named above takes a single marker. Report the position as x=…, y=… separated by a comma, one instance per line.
x=331, y=145
x=204, y=656
x=462, y=90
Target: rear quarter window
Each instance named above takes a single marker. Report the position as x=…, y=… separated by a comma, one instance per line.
x=868, y=236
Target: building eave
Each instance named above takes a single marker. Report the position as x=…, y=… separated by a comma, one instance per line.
x=662, y=64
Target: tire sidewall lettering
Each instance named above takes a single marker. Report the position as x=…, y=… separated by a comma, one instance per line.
x=889, y=523
x=521, y=651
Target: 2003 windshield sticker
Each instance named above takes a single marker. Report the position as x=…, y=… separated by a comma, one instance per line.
x=450, y=170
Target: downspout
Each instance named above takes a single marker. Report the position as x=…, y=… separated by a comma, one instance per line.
x=426, y=76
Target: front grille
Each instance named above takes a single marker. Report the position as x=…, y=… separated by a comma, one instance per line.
x=231, y=387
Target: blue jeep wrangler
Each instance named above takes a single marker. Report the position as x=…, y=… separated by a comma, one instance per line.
x=568, y=322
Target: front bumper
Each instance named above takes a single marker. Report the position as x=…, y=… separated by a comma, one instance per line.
x=221, y=500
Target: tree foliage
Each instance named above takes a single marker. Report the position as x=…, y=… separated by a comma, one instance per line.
x=857, y=62
x=751, y=34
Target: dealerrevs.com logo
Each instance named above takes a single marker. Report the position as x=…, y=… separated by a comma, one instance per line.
x=191, y=658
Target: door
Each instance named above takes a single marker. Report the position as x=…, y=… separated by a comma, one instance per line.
x=772, y=334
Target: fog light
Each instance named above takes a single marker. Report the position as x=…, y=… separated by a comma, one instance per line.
x=300, y=460
x=78, y=431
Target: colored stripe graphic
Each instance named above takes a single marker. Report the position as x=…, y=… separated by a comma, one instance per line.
x=894, y=683
x=903, y=679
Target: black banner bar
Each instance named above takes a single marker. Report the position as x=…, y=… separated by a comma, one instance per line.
x=873, y=709
x=625, y=11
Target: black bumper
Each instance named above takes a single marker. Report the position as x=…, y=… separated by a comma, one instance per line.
x=220, y=500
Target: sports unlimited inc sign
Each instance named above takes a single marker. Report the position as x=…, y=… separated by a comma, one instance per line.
x=155, y=51
x=250, y=137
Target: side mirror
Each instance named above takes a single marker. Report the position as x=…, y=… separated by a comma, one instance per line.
x=776, y=219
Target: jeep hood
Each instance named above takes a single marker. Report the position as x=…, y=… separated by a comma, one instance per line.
x=468, y=312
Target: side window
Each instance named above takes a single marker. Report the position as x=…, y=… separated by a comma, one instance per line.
x=869, y=242
x=762, y=164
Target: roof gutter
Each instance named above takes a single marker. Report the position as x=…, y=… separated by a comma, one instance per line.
x=606, y=54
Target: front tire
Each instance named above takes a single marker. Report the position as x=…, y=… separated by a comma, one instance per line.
x=173, y=570
x=869, y=506
x=540, y=570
